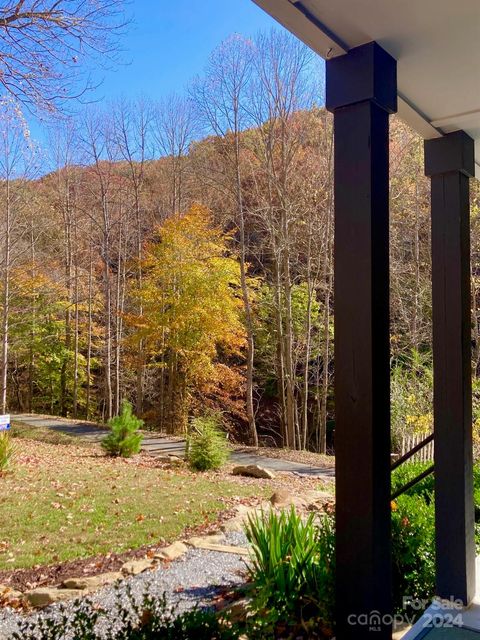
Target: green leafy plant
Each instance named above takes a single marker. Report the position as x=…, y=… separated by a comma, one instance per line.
x=407, y=472
x=7, y=451
x=207, y=446
x=292, y=571
x=413, y=532
x=413, y=549
x=413, y=536
x=124, y=439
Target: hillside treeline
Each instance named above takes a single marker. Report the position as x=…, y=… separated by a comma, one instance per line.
x=179, y=254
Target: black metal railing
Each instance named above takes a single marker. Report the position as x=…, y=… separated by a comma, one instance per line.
x=405, y=458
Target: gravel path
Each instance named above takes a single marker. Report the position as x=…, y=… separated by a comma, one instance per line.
x=190, y=581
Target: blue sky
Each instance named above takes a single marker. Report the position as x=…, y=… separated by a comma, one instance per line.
x=169, y=41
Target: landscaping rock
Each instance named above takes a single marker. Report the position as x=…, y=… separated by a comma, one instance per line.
x=312, y=500
x=316, y=500
x=92, y=582
x=172, y=552
x=243, y=510
x=223, y=548
x=283, y=498
x=254, y=471
x=134, y=567
x=197, y=541
x=235, y=525
x=45, y=596
x=238, y=522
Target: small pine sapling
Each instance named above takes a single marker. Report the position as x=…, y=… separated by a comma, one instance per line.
x=124, y=439
x=207, y=446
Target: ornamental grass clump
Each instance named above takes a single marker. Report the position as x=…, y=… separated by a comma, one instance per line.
x=207, y=445
x=292, y=572
x=7, y=452
x=124, y=439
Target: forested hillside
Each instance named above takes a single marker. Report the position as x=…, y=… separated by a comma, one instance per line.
x=180, y=255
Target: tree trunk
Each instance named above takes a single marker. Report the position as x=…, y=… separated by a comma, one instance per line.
x=6, y=299
x=246, y=300
x=89, y=334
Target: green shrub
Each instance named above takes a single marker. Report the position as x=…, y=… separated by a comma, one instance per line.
x=413, y=548
x=292, y=571
x=426, y=487
x=413, y=536
x=413, y=532
x=124, y=439
x=7, y=451
x=410, y=470
x=207, y=446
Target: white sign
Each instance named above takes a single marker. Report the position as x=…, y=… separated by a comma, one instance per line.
x=5, y=422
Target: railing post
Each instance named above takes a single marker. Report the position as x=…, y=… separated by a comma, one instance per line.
x=449, y=161
x=362, y=92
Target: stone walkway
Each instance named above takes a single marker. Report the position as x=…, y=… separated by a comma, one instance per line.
x=163, y=445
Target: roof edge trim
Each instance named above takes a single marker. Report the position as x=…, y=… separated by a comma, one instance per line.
x=298, y=20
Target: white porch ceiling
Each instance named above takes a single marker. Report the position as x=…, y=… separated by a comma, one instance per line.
x=436, y=44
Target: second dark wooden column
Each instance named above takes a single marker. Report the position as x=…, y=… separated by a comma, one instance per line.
x=362, y=92
x=450, y=162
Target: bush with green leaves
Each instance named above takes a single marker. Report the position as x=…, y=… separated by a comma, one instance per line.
x=207, y=445
x=7, y=451
x=130, y=619
x=413, y=531
x=292, y=572
x=413, y=549
x=413, y=536
x=407, y=472
x=124, y=439
x=425, y=488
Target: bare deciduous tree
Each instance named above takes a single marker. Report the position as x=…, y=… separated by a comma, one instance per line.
x=45, y=46
x=173, y=131
x=220, y=99
x=15, y=164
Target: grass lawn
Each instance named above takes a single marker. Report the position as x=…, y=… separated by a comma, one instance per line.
x=64, y=501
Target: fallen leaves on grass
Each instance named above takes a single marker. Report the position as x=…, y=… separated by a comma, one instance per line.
x=66, y=502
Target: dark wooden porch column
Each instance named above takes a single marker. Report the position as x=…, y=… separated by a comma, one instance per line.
x=450, y=162
x=362, y=92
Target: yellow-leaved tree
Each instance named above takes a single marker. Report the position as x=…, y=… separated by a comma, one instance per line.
x=192, y=309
